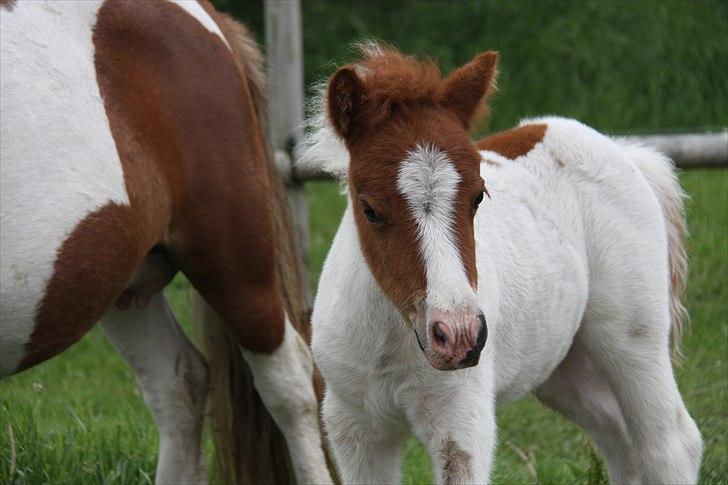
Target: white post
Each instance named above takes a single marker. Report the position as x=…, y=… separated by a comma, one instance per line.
x=284, y=52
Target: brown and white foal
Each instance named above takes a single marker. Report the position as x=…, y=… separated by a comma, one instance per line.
x=132, y=148
x=575, y=260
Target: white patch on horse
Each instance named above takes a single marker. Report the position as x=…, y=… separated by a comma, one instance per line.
x=428, y=181
x=193, y=8
x=283, y=379
x=58, y=168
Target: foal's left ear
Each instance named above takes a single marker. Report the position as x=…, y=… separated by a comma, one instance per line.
x=466, y=88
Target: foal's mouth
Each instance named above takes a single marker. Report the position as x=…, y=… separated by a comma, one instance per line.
x=419, y=342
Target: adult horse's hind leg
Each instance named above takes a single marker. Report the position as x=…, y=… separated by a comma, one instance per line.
x=283, y=379
x=173, y=377
x=579, y=393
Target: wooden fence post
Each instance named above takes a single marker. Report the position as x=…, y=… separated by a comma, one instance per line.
x=284, y=54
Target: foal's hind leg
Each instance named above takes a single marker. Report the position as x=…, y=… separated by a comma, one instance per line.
x=580, y=394
x=633, y=355
x=173, y=377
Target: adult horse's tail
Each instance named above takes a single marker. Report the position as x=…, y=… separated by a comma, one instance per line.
x=660, y=174
x=249, y=447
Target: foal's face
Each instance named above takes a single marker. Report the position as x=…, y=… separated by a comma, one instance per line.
x=415, y=187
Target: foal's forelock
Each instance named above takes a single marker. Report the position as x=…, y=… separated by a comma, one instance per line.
x=429, y=182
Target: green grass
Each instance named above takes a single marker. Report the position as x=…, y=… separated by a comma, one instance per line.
x=619, y=66
x=79, y=418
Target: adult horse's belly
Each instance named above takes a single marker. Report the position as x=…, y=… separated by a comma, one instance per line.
x=61, y=182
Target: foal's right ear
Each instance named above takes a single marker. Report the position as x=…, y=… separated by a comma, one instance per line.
x=346, y=98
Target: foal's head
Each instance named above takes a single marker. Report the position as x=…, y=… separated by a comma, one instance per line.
x=415, y=186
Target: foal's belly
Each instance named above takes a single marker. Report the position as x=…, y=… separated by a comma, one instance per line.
x=532, y=334
x=534, y=277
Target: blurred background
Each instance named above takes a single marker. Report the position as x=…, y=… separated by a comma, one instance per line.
x=622, y=67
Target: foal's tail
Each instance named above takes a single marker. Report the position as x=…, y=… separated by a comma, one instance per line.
x=659, y=171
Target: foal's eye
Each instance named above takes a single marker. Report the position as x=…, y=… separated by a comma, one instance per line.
x=370, y=213
x=477, y=201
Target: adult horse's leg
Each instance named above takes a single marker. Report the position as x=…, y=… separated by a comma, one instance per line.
x=283, y=379
x=173, y=377
x=580, y=394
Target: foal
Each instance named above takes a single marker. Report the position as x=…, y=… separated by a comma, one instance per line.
x=561, y=278
x=133, y=147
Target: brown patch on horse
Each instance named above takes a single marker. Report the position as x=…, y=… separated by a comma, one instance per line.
x=456, y=467
x=8, y=4
x=90, y=270
x=176, y=87
x=383, y=107
x=515, y=142
x=183, y=121
x=152, y=275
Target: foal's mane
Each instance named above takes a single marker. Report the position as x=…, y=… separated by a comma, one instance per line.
x=390, y=79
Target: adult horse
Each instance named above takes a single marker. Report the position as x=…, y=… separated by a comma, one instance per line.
x=567, y=279
x=133, y=147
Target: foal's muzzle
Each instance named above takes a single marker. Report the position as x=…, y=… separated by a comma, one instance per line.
x=454, y=341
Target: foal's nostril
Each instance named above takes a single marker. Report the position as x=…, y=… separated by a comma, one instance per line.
x=473, y=355
x=482, y=333
x=438, y=333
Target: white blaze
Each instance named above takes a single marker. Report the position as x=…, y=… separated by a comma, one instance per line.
x=429, y=182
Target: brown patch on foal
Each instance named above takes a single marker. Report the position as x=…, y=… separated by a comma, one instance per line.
x=383, y=107
x=515, y=142
x=638, y=330
x=456, y=467
x=8, y=4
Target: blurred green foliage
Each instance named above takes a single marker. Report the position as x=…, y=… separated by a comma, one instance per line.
x=642, y=66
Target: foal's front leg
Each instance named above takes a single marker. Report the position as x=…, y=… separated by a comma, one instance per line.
x=457, y=425
x=366, y=449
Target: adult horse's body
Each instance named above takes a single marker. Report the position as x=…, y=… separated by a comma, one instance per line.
x=575, y=263
x=132, y=147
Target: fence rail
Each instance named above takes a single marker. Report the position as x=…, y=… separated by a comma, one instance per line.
x=693, y=150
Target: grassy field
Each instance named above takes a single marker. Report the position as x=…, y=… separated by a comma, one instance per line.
x=79, y=418
x=639, y=66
